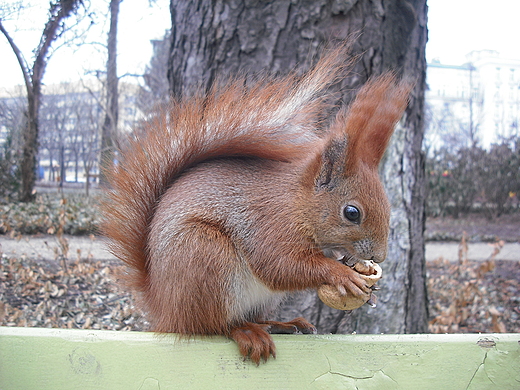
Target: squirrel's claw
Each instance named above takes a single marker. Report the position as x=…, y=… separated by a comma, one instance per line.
x=372, y=301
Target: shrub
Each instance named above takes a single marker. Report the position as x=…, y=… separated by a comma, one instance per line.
x=473, y=178
x=9, y=172
x=49, y=214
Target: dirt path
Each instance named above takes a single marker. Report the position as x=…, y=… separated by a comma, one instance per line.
x=47, y=247
x=478, y=251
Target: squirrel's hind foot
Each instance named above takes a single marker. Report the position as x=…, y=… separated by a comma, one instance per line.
x=297, y=326
x=254, y=341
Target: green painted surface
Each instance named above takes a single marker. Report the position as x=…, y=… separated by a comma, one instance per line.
x=33, y=358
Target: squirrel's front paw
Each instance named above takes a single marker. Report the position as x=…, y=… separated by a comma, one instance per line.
x=356, y=291
x=353, y=282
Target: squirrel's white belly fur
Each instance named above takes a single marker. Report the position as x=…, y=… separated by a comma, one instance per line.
x=255, y=299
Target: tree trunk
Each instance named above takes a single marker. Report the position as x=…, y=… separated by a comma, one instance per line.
x=109, y=128
x=58, y=11
x=221, y=39
x=87, y=182
x=30, y=143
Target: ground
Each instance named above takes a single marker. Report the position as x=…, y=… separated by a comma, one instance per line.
x=465, y=296
x=474, y=296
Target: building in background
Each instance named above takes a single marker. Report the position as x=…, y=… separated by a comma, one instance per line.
x=474, y=103
x=70, y=125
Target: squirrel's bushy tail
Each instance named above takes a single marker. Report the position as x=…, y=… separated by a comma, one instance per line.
x=274, y=119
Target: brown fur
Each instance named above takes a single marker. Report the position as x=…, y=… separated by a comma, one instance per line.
x=231, y=199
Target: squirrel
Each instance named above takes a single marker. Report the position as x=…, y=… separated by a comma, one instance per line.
x=231, y=199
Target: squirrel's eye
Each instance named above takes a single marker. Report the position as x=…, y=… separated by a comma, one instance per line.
x=352, y=213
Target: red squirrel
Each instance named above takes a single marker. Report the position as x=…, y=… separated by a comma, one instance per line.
x=232, y=199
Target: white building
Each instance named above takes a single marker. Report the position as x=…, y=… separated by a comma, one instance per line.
x=476, y=101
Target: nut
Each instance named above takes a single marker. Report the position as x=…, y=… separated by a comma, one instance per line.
x=329, y=295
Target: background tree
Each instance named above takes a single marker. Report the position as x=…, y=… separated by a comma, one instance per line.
x=219, y=39
x=58, y=11
x=54, y=135
x=11, y=123
x=70, y=120
x=89, y=147
x=109, y=128
x=155, y=90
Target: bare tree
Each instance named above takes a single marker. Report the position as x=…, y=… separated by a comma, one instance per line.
x=89, y=147
x=155, y=90
x=58, y=11
x=54, y=126
x=109, y=128
x=219, y=39
x=70, y=119
x=11, y=119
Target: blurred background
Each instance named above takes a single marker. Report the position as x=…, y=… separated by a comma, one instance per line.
x=472, y=98
x=64, y=57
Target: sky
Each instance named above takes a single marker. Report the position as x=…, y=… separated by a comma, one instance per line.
x=456, y=27
x=138, y=24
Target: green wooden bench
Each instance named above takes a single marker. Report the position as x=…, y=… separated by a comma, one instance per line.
x=34, y=358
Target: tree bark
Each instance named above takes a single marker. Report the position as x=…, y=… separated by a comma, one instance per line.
x=220, y=39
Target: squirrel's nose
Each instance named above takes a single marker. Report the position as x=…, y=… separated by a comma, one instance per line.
x=367, y=250
x=379, y=256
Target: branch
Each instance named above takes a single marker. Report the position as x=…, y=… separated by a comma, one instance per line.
x=58, y=11
x=131, y=75
x=19, y=57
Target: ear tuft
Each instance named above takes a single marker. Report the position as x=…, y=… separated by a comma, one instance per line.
x=370, y=121
x=332, y=163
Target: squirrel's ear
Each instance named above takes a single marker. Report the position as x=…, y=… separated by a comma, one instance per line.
x=361, y=134
x=331, y=163
x=370, y=120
